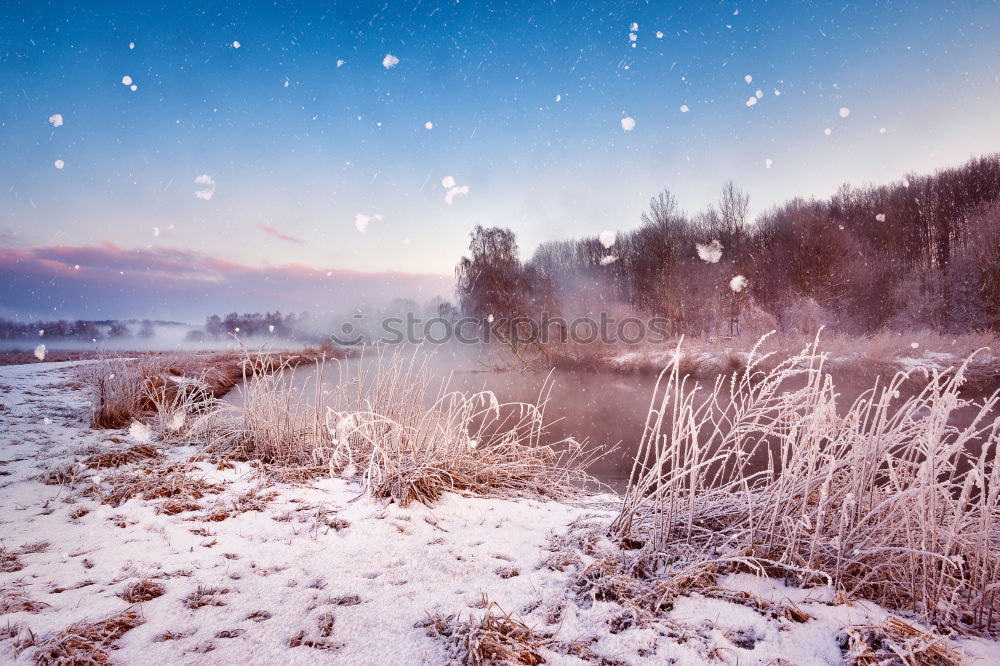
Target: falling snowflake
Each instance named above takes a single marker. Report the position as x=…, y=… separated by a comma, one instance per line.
x=176, y=421
x=236, y=44
x=207, y=190
x=40, y=352
x=608, y=259
x=340, y=63
x=828, y=131
x=752, y=101
x=429, y=125
x=632, y=36
x=449, y=196
x=880, y=217
x=59, y=164
x=759, y=93
x=390, y=61
x=126, y=80
x=156, y=232
x=448, y=182
x=628, y=123
x=914, y=345
x=634, y=27
x=709, y=252
x=844, y=112
x=777, y=93
x=738, y=283
x=131, y=45
x=56, y=119
x=768, y=163
x=659, y=35
x=133, y=87
x=882, y=130
x=608, y=238
x=140, y=432
x=361, y=221
x=684, y=108
x=748, y=78
x=558, y=98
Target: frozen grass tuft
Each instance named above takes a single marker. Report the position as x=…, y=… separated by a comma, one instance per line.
x=83, y=642
x=408, y=442
x=496, y=638
x=889, y=502
x=141, y=591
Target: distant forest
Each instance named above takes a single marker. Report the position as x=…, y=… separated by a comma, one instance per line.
x=923, y=253
x=83, y=330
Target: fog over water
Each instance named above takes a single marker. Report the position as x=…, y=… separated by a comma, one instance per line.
x=607, y=410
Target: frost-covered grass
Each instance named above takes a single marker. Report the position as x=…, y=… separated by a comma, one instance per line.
x=887, y=501
x=164, y=386
x=219, y=562
x=385, y=421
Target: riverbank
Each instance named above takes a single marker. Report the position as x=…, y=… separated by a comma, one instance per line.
x=128, y=551
x=863, y=358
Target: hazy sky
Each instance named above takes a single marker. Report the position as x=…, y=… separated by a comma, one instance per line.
x=293, y=126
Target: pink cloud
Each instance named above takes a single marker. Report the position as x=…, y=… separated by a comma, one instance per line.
x=183, y=284
x=277, y=234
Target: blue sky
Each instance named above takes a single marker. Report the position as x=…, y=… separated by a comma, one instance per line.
x=526, y=101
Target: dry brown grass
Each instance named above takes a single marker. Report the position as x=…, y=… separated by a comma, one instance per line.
x=898, y=642
x=171, y=388
x=170, y=482
x=205, y=596
x=496, y=638
x=84, y=642
x=888, y=502
x=141, y=591
x=408, y=442
x=14, y=601
x=119, y=457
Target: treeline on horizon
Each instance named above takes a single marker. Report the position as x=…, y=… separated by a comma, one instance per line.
x=923, y=253
x=78, y=329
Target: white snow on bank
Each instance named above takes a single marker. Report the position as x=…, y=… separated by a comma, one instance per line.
x=324, y=550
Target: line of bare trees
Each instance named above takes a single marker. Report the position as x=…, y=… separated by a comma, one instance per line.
x=79, y=329
x=920, y=253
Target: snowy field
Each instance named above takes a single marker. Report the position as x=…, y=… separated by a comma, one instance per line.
x=243, y=572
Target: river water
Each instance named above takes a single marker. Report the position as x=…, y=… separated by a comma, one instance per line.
x=607, y=410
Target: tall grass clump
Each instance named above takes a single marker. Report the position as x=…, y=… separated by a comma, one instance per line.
x=412, y=441
x=163, y=388
x=887, y=499
x=385, y=421
x=275, y=421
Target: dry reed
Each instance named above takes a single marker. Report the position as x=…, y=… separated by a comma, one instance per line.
x=889, y=501
x=408, y=442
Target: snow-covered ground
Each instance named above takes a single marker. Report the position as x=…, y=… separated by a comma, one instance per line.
x=320, y=572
